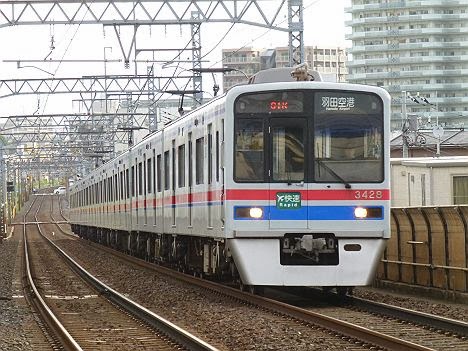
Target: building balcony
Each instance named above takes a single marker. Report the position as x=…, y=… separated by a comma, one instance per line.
x=405, y=33
x=407, y=61
x=431, y=17
x=402, y=5
x=423, y=88
x=459, y=73
x=408, y=46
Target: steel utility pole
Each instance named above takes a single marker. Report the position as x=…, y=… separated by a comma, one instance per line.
x=404, y=126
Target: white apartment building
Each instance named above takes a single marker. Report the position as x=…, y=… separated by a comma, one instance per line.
x=418, y=51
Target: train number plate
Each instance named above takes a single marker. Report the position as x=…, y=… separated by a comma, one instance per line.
x=288, y=201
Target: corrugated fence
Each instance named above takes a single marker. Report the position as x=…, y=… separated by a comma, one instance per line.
x=429, y=247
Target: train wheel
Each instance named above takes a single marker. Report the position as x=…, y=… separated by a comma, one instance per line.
x=256, y=289
x=342, y=291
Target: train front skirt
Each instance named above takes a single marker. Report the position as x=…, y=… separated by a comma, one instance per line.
x=259, y=263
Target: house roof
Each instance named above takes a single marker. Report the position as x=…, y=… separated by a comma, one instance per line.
x=446, y=161
x=452, y=137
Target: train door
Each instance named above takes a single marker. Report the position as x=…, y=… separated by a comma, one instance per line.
x=145, y=194
x=128, y=201
x=159, y=202
x=173, y=186
x=287, y=171
x=134, y=205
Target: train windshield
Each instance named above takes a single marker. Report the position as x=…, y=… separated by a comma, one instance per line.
x=348, y=137
x=321, y=136
x=249, y=165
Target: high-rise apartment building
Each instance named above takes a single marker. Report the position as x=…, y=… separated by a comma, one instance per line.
x=416, y=50
x=329, y=61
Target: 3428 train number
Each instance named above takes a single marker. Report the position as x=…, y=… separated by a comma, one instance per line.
x=368, y=194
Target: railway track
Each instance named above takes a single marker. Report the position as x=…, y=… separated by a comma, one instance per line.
x=444, y=325
x=298, y=317
x=358, y=325
x=81, y=317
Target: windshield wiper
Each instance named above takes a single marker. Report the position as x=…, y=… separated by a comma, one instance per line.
x=333, y=173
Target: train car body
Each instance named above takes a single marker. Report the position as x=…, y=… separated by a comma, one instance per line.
x=282, y=183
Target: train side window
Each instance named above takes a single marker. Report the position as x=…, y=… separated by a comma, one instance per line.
x=181, y=165
x=210, y=153
x=173, y=165
x=127, y=183
x=109, y=188
x=190, y=160
x=154, y=171
x=117, y=190
x=144, y=174
x=199, y=160
x=140, y=179
x=217, y=155
x=149, y=178
x=159, y=173
x=166, y=170
x=105, y=191
x=132, y=181
x=121, y=185
x=114, y=188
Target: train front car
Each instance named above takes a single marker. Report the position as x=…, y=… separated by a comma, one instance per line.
x=307, y=186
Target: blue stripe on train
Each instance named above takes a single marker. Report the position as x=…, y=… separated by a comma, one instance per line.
x=324, y=213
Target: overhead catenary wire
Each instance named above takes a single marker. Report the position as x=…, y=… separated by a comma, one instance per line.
x=65, y=53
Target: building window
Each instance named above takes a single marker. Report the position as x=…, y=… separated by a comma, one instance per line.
x=460, y=190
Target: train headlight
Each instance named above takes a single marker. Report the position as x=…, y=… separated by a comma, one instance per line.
x=360, y=212
x=248, y=212
x=371, y=212
x=256, y=212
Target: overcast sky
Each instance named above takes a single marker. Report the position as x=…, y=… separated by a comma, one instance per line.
x=323, y=26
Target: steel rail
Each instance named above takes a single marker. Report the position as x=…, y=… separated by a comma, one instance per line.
x=46, y=313
x=179, y=335
x=438, y=322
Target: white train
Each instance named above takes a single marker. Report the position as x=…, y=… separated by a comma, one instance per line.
x=279, y=183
